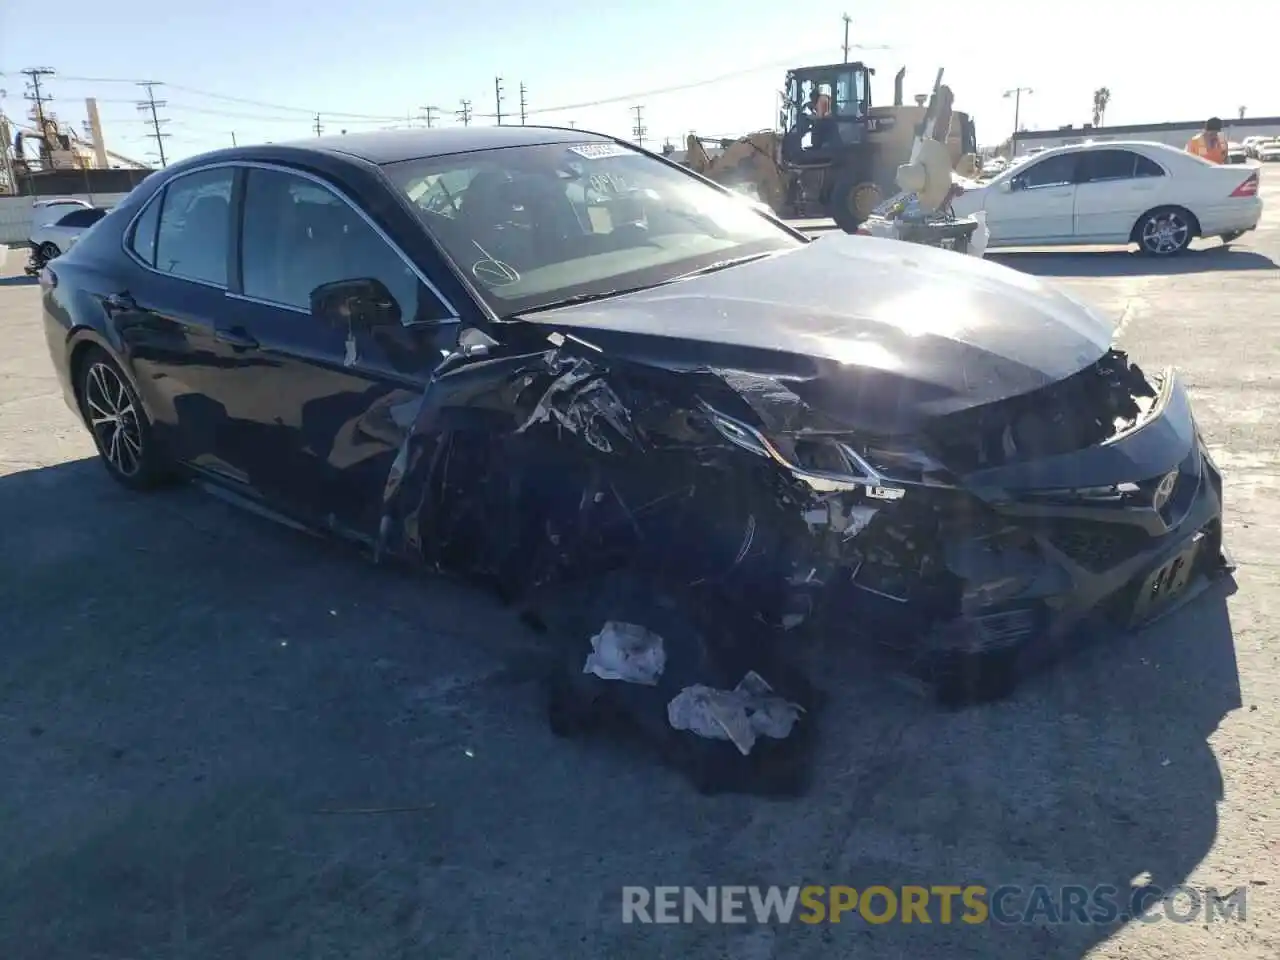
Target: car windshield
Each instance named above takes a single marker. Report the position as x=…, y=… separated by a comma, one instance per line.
x=535, y=226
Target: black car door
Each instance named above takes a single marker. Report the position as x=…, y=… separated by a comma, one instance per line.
x=166, y=310
x=315, y=412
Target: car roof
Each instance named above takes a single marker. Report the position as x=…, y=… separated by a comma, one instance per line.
x=392, y=146
x=1139, y=145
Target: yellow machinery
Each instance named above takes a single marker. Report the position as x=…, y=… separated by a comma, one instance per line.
x=837, y=155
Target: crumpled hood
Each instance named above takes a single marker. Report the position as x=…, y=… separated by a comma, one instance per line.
x=900, y=330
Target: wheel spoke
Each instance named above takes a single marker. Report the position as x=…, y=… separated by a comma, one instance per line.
x=113, y=447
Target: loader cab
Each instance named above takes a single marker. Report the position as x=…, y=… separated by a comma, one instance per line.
x=824, y=113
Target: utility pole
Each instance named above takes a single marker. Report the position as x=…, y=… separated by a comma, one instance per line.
x=317, y=126
x=464, y=114
x=429, y=114
x=151, y=105
x=233, y=139
x=38, y=98
x=497, y=98
x=847, y=21
x=1016, y=93
x=639, y=130
x=524, y=103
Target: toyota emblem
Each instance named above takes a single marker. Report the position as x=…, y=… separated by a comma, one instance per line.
x=1165, y=490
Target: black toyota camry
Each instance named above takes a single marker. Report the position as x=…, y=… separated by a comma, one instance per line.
x=539, y=357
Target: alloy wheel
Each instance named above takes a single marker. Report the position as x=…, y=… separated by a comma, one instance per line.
x=113, y=418
x=1165, y=233
x=866, y=197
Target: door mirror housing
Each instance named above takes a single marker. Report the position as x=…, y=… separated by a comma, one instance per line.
x=475, y=343
x=360, y=304
x=1005, y=186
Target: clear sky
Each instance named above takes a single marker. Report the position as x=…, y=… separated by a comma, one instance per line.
x=378, y=63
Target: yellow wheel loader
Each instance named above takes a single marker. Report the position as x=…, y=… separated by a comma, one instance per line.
x=837, y=155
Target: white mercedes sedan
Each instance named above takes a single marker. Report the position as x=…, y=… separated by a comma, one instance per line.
x=1116, y=193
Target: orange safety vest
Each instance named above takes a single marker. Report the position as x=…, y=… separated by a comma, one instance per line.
x=1214, y=153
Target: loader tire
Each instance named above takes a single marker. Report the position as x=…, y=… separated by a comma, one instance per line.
x=852, y=201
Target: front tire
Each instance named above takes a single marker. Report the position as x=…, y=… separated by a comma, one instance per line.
x=852, y=201
x=1164, y=232
x=121, y=430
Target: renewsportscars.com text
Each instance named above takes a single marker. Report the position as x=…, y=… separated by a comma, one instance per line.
x=942, y=903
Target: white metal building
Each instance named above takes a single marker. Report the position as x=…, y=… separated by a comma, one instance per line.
x=1174, y=134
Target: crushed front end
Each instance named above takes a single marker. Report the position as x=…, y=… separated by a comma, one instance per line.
x=986, y=540
x=962, y=549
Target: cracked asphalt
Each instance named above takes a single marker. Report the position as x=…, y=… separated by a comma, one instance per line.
x=221, y=738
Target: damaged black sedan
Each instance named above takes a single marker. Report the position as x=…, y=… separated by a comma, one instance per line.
x=547, y=359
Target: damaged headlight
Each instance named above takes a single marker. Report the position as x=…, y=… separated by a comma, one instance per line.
x=824, y=463
x=739, y=434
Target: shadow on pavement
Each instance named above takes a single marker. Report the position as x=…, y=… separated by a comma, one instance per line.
x=1123, y=263
x=19, y=281
x=185, y=688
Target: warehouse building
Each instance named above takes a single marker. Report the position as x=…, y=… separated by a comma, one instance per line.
x=1174, y=134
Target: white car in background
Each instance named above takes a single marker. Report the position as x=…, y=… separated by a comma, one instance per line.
x=1115, y=193
x=1236, y=153
x=56, y=225
x=1268, y=150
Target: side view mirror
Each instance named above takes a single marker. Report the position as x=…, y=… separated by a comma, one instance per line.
x=1005, y=186
x=362, y=303
x=474, y=343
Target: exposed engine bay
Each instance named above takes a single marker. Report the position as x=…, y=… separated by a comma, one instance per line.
x=725, y=495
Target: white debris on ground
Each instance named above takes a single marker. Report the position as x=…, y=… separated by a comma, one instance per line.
x=740, y=715
x=625, y=651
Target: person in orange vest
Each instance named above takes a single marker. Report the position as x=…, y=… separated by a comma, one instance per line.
x=1209, y=144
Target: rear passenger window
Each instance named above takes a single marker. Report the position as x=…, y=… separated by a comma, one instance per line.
x=1100, y=165
x=1148, y=167
x=85, y=217
x=143, y=241
x=195, y=225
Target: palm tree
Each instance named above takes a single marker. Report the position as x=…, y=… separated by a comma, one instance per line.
x=1101, y=97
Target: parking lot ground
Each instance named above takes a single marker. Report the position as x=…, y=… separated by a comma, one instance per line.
x=220, y=738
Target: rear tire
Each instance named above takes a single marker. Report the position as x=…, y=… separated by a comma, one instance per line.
x=1164, y=231
x=118, y=423
x=49, y=251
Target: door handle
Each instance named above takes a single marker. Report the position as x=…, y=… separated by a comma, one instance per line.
x=237, y=338
x=119, y=301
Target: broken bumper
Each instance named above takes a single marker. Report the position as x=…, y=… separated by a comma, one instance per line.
x=1142, y=521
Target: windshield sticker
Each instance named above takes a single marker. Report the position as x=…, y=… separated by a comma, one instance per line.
x=598, y=151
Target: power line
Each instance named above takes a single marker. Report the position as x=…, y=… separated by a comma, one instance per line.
x=464, y=114
x=497, y=98
x=677, y=88
x=639, y=130
x=151, y=104
x=308, y=112
x=524, y=104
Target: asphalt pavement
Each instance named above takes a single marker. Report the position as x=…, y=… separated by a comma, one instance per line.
x=220, y=738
